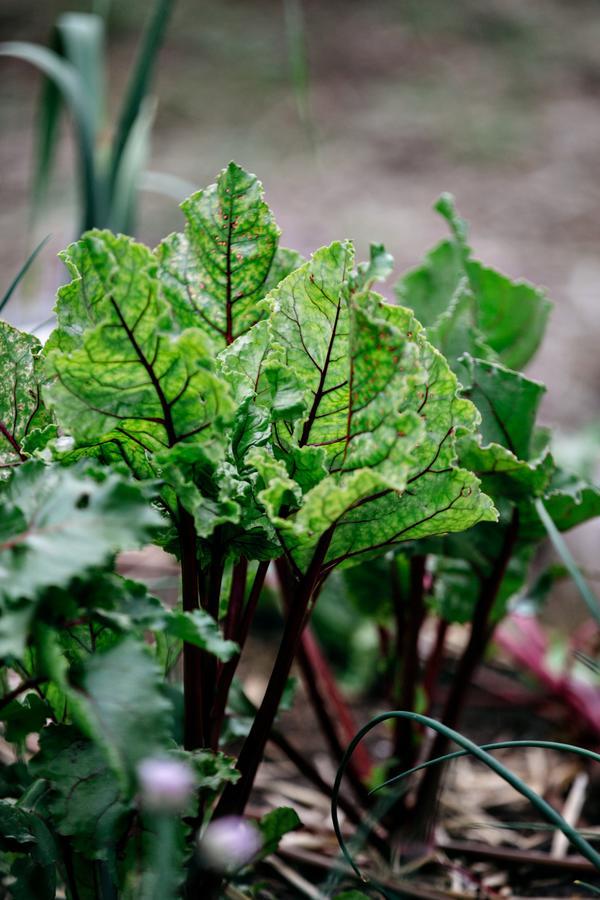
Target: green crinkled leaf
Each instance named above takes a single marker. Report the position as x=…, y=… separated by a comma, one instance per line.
x=508, y=403
x=280, y=490
x=213, y=495
x=274, y=826
x=455, y=331
x=85, y=800
x=63, y=523
x=124, y=603
x=378, y=268
x=213, y=769
x=371, y=401
x=121, y=369
x=22, y=413
x=251, y=428
x=453, y=503
x=507, y=454
x=285, y=261
x=127, y=605
x=215, y=273
x=502, y=474
x=328, y=344
x=243, y=364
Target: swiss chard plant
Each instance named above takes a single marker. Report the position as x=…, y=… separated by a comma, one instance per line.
x=244, y=409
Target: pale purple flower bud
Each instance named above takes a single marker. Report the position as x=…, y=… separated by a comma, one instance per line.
x=230, y=843
x=166, y=784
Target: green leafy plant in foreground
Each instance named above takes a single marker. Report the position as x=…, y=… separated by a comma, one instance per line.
x=240, y=407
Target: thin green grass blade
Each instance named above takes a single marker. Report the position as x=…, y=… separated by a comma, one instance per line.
x=77, y=38
x=588, y=596
x=541, y=806
x=21, y=273
x=133, y=162
x=590, y=887
x=48, y=118
x=139, y=83
x=82, y=40
x=501, y=745
x=65, y=77
x=298, y=61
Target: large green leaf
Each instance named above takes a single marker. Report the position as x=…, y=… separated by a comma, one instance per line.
x=364, y=407
x=69, y=522
x=128, y=724
x=134, y=721
x=25, y=837
x=508, y=403
x=506, y=453
x=21, y=408
x=512, y=315
x=85, y=800
x=467, y=307
x=121, y=370
x=215, y=273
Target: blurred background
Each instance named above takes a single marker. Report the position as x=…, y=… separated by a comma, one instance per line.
x=356, y=116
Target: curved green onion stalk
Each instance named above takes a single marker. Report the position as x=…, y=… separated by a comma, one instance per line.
x=590, y=887
x=500, y=745
x=469, y=747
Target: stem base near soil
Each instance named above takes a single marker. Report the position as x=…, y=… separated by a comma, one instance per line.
x=481, y=634
x=235, y=796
